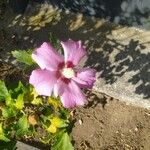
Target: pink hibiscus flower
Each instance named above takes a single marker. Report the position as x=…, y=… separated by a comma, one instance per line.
x=59, y=75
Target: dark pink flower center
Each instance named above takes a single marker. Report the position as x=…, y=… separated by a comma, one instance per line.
x=66, y=71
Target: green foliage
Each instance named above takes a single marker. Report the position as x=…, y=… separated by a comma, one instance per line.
x=4, y=138
x=23, y=110
x=23, y=56
x=8, y=112
x=62, y=142
x=55, y=42
x=20, y=101
x=8, y=145
x=2, y=134
x=58, y=122
x=22, y=126
x=3, y=91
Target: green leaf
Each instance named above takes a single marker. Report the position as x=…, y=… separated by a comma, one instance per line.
x=54, y=102
x=58, y=122
x=8, y=112
x=4, y=138
x=23, y=56
x=47, y=112
x=37, y=101
x=8, y=145
x=1, y=129
x=20, y=102
x=2, y=134
x=20, y=89
x=3, y=90
x=22, y=125
x=64, y=113
x=55, y=42
x=63, y=142
x=52, y=129
x=9, y=101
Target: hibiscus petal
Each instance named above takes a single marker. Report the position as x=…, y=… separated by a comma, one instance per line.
x=73, y=51
x=85, y=77
x=46, y=57
x=71, y=95
x=58, y=90
x=43, y=81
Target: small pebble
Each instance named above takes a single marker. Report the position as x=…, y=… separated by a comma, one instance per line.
x=136, y=129
x=80, y=121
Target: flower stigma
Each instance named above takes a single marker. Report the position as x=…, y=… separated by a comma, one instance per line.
x=68, y=73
